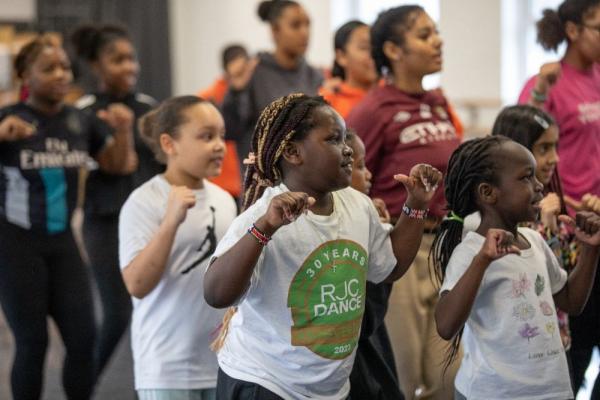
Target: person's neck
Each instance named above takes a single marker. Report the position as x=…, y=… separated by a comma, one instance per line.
x=492, y=220
x=112, y=92
x=286, y=60
x=323, y=200
x=575, y=59
x=353, y=82
x=407, y=82
x=177, y=177
x=44, y=106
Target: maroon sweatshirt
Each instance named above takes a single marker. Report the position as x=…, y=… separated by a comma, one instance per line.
x=399, y=131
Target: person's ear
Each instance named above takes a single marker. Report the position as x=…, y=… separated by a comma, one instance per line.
x=392, y=51
x=487, y=194
x=341, y=58
x=167, y=144
x=292, y=153
x=572, y=31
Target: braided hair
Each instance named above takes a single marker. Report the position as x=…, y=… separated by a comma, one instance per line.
x=471, y=164
x=284, y=120
x=391, y=25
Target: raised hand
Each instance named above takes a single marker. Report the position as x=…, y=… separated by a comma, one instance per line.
x=587, y=226
x=285, y=208
x=421, y=184
x=498, y=243
x=118, y=116
x=180, y=200
x=240, y=78
x=547, y=77
x=14, y=128
x=550, y=209
x=384, y=215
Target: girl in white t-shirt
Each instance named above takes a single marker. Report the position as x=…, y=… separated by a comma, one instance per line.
x=168, y=229
x=297, y=260
x=501, y=282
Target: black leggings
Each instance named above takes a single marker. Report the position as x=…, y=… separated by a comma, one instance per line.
x=101, y=237
x=43, y=275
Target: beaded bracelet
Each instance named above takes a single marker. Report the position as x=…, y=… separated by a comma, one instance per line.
x=414, y=213
x=538, y=97
x=258, y=235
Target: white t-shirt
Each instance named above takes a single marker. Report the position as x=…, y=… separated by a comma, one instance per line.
x=511, y=342
x=297, y=327
x=172, y=327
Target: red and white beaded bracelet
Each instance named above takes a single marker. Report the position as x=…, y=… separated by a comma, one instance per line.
x=258, y=235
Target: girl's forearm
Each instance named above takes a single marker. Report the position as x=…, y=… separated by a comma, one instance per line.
x=113, y=158
x=145, y=271
x=573, y=297
x=454, y=307
x=228, y=277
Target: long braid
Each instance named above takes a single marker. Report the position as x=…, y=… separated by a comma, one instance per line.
x=471, y=163
x=285, y=119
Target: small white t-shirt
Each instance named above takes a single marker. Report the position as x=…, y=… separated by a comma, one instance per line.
x=511, y=342
x=172, y=327
x=297, y=327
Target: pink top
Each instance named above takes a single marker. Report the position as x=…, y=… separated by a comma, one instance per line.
x=574, y=102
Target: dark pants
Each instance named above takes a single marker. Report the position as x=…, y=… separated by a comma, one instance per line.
x=585, y=332
x=101, y=238
x=229, y=388
x=43, y=275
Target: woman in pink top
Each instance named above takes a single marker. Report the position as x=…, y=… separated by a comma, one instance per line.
x=570, y=91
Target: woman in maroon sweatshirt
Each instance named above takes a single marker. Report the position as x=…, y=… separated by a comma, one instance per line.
x=401, y=125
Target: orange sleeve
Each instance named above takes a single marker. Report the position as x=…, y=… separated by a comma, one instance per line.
x=458, y=125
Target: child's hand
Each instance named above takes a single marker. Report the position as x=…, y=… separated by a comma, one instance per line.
x=420, y=185
x=587, y=226
x=550, y=208
x=547, y=77
x=285, y=208
x=118, y=116
x=384, y=215
x=180, y=200
x=14, y=128
x=498, y=243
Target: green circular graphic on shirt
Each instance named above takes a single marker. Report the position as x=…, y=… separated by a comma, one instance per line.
x=327, y=299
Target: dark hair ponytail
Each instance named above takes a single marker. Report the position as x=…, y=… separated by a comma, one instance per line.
x=471, y=164
x=340, y=41
x=551, y=27
x=166, y=118
x=391, y=25
x=89, y=40
x=270, y=10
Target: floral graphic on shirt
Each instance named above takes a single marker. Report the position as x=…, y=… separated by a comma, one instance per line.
x=520, y=286
x=546, y=308
x=523, y=311
x=540, y=284
x=528, y=332
x=550, y=328
x=327, y=299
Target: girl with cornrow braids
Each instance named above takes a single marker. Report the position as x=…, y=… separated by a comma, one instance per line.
x=500, y=285
x=400, y=123
x=296, y=261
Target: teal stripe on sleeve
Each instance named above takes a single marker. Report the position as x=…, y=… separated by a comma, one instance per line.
x=55, y=184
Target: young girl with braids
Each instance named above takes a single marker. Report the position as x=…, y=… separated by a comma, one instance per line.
x=296, y=261
x=168, y=229
x=501, y=282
